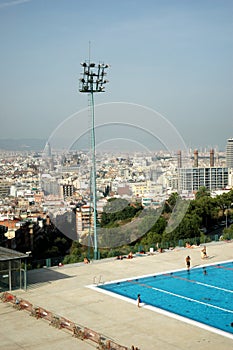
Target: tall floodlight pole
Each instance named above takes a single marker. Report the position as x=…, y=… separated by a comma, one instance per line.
x=93, y=80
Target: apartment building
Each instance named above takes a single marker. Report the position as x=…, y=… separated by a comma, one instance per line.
x=213, y=178
x=229, y=153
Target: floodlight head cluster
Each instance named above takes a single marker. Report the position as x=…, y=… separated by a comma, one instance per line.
x=93, y=77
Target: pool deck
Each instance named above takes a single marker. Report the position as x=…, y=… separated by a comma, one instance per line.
x=63, y=291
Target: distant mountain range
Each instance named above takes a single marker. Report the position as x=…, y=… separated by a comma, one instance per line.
x=22, y=144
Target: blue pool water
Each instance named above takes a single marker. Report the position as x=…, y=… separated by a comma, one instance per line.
x=204, y=298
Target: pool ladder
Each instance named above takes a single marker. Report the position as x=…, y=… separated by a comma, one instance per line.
x=97, y=280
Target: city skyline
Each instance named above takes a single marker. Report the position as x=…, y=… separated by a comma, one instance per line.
x=174, y=57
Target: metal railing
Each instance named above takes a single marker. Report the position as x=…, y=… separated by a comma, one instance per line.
x=55, y=261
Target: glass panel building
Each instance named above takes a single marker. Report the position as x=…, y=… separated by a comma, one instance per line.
x=13, y=273
x=213, y=178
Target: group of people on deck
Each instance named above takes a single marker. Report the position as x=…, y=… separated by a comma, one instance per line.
x=203, y=256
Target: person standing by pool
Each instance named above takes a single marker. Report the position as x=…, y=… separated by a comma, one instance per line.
x=204, y=253
x=188, y=260
x=139, y=300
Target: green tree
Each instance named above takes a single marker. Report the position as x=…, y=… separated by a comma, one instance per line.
x=118, y=210
x=3, y=238
x=224, y=201
x=189, y=227
x=205, y=208
x=228, y=233
x=202, y=192
x=154, y=235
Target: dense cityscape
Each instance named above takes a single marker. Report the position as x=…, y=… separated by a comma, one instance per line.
x=41, y=187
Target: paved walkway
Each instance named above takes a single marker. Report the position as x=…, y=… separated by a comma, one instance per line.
x=64, y=292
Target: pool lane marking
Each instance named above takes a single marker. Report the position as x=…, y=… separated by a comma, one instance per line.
x=202, y=284
x=223, y=267
x=180, y=296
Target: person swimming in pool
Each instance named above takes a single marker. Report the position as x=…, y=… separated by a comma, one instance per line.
x=204, y=271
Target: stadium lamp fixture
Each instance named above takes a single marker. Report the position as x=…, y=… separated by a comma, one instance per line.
x=92, y=77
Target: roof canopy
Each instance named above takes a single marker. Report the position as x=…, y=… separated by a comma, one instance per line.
x=9, y=254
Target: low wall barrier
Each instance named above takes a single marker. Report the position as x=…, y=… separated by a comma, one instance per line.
x=111, y=345
x=35, y=312
x=45, y=314
x=55, y=322
x=60, y=322
x=25, y=305
x=78, y=332
x=8, y=297
x=67, y=324
x=92, y=335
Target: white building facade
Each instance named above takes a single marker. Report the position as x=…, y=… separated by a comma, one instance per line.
x=213, y=178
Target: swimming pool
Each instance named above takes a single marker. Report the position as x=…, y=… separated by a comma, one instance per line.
x=202, y=296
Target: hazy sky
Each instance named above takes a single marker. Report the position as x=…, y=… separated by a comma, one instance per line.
x=172, y=56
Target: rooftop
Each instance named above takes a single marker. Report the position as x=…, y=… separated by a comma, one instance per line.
x=9, y=254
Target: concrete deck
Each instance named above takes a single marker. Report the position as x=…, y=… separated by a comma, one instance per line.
x=63, y=291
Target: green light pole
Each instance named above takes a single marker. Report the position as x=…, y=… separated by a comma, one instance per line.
x=92, y=81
